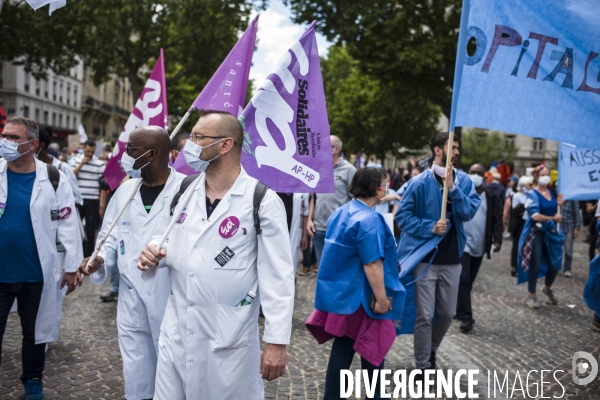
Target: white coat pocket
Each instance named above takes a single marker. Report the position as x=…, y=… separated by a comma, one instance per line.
x=128, y=309
x=233, y=326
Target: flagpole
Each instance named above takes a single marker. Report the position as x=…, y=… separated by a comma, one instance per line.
x=448, y=164
x=180, y=124
x=1, y=3
x=112, y=226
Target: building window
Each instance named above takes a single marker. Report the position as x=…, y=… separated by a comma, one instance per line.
x=54, y=90
x=509, y=140
x=68, y=94
x=74, y=122
x=46, y=89
x=75, y=95
x=37, y=115
x=60, y=120
x=46, y=117
x=539, y=144
x=37, y=87
x=68, y=122
x=27, y=79
x=53, y=118
x=60, y=92
x=26, y=111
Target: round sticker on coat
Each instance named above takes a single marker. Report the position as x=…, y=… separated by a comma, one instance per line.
x=229, y=227
x=64, y=212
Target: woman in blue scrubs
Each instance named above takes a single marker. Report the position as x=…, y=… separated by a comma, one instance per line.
x=358, y=287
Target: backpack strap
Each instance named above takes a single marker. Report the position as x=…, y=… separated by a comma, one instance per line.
x=53, y=175
x=259, y=193
x=185, y=183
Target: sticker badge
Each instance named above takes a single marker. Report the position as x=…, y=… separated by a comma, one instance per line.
x=64, y=213
x=181, y=218
x=54, y=216
x=122, y=247
x=224, y=256
x=229, y=227
x=2, y=208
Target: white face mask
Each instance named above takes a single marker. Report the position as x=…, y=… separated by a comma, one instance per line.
x=439, y=171
x=476, y=179
x=191, y=153
x=10, y=150
x=127, y=163
x=544, y=180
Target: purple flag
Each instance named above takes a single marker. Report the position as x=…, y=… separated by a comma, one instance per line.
x=150, y=109
x=226, y=90
x=286, y=132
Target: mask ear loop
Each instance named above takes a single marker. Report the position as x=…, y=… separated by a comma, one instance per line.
x=140, y=168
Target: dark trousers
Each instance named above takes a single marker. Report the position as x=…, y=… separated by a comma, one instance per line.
x=470, y=268
x=90, y=213
x=308, y=255
x=514, y=250
x=342, y=353
x=28, y=295
x=539, y=250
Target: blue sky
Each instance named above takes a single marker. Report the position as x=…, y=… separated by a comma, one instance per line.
x=276, y=34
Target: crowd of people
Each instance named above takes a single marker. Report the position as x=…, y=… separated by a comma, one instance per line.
x=189, y=302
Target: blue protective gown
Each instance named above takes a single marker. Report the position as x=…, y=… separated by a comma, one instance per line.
x=418, y=212
x=554, y=240
x=591, y=293
x=357, y=235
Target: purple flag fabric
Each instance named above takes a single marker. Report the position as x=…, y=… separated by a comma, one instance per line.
x=226, y=90
x=150, y=109
x=286, y=131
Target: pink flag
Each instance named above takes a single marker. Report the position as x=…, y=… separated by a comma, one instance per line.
x=226, y=90
x=150, y=109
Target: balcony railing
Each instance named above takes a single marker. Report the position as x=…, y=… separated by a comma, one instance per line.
x=538, y=153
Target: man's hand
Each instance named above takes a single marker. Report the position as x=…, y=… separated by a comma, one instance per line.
x=575, y=233
x=69, y=279
x=150, y=257
x=85, y=160
x=440, y=227
x=304, y=242
x=310, y=228
x=497, y=247
x=272, y=361
x=94, y=266
x=449, y=177
x=382, y=306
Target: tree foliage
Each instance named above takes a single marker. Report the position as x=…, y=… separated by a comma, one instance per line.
x=370, y=115
x=484, y=147
x=408, y=44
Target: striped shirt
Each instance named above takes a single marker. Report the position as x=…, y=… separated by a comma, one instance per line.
x=89, y=177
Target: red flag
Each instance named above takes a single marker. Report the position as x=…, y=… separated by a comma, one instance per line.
x=3, y=119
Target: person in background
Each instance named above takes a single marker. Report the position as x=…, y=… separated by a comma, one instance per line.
x=357, y=295
x=106, y=153
x=571, y=222
x=389, y=202
x=516, y=216
x=539, y=244
x=89, y=169
x=591, y=211
x=177, y=144
x=484, y=235
x=512, y=186
x=496, y=186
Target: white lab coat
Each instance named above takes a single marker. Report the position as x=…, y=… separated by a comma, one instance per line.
x=299, y=210
x=142, y=302
x=71, y=178
x=47, y=232
x=208, y=347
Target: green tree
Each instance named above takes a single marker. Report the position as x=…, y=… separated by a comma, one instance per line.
x=484, y=147
x=364, y=112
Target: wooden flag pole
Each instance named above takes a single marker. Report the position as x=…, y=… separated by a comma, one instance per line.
x=448, y=164
x=180, y=124
x=112, y=226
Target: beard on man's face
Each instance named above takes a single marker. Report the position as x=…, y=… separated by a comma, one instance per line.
x=445, y=159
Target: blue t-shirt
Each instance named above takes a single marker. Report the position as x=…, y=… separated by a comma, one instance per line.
x=20, y=261
x=548, y=208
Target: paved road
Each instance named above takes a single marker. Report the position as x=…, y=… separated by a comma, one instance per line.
x=85, y=363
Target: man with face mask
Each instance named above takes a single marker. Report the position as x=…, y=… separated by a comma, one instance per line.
x=484, y=235
x=37, y=221
x=221, y=270
x=430, y=248
x=142, y=302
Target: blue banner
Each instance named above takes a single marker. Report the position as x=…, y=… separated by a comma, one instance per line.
x=535, y=69
x=578, y=173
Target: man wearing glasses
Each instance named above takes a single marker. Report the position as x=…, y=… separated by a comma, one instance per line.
x=221, y=271
x=142, y=302
x=37, y=221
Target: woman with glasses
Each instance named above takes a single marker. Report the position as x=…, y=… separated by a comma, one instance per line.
x=358, y=290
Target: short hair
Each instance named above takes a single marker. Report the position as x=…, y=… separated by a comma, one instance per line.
x=230, y=126
x=177, y=141
x=33, y=131
x=337, y=141
x=366, y=181
x=44, y=135
x=90, y=143
x=438, y=141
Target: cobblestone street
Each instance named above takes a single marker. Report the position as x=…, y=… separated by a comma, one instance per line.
x=85, y=363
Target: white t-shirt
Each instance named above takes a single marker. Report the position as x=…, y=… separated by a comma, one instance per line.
x=519, y=198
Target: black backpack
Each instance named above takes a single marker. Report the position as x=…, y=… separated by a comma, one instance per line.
x=259, y=194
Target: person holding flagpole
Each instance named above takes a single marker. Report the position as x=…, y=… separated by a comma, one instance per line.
x=437, y=272
x=142, y=303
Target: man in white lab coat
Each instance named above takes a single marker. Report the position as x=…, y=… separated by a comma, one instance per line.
x=142, y=300
x=37, y=220
x=209, y=345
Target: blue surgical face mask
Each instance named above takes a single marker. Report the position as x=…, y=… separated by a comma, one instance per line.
x=10, y=150
x=127, y=163
x=191, y=153
x=476, y=179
